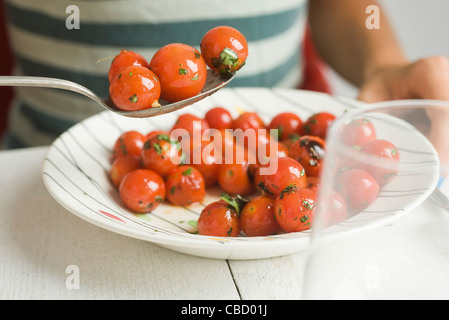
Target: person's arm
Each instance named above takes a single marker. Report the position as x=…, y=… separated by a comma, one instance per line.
x=341, y=37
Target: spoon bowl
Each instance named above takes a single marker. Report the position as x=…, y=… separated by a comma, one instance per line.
x=214, y=82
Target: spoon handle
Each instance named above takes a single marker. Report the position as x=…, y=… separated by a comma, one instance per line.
x=43, y=82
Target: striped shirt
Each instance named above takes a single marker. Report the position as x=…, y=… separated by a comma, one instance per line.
x=44, y=46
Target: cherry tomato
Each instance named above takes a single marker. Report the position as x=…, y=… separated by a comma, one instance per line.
x=135, y=88
x=224, y=49
x=334, y=209
x=185, y=186
x=318, y=124
x=358, y=188
x=219, y=219
x=248, y=120
x=128, y=143
x=257, y=217
x=309, y=152
x=294, y=208
x=234, y=179
x=271, y=179
x=287, y=123
x=124, y=59
x=142, y=190
x=387, y=152
x=121, y=166
x=189, y=130
x=290, y=140
x=358, y=132
x=208, y=166
x=313, y=183
x=181, y=70
x=219, y=118
x=161, y=154
x=154, y=133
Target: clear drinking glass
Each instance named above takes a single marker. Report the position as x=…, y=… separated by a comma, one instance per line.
x=382, y=162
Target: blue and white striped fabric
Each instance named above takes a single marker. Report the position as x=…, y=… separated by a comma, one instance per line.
x=43, y=46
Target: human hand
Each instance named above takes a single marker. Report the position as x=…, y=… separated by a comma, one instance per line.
x=427, y=78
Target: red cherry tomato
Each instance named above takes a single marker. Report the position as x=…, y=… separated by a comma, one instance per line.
x=234, y=179
x=121, y=166
x=334, y=210
x=318, y=124
x=224, y=49
x=135, y=88
x=358, y=132
x=257, y=217
x=142, y=190
x=161, y=154
x=219, y=219
x=129, y=143
x=309, y=152
x=124, y=59
x=248, y=120
x=208, y=165
x=358, y=188
x=185, y=186
x=219, y=118
x=294, y=209
x=385, y=169
x=154, y=133
x=189, y=129
x=287, y=123
x=280, y=173
x=181, y=70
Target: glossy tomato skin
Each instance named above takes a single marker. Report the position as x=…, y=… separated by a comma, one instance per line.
x=225, y=49
x=294, y=209
x=218, y=219
x=334, y=209
x=382, y=172
x=358, y=132
x=121, y=166
x=124, y=59
x=181, y=70
x=219, y=118
x=185, y=186
x=309, y=151
x=135, y=88
x=208, y=165
x=287, y=124
x=282, y=172
x=161, y=154
x=318, y=124
x=142, y=190
x=257, y=217
x=128, y=143
x=248, y=120
x=189, y=130
x=234, y=178
x=358, y=188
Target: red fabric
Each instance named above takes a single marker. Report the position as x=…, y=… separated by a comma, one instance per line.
x=6, y=65
x=314, y=68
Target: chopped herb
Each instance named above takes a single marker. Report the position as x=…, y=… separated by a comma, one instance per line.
x=195, y=77
x=308, y=205
x=228, y=57
x=303, y=172
x=130, y=74
x=182, y=71
x=158, y=148
x=187, y=172
x=119, y=76
x=304, y=218
x=197, y=54
x=163, y=137
x=133, y=98
x=147, y=145
x=394, y=151
x=288, y=190
x=264, y=189
x=236, y=203
x=172, y=190
x=159, y=199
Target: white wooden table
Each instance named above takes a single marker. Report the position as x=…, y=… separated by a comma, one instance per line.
x=48, y=253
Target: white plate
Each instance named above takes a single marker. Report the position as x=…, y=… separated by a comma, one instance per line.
x=75, y=172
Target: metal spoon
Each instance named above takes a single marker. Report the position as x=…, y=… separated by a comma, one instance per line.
x=214, y=83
